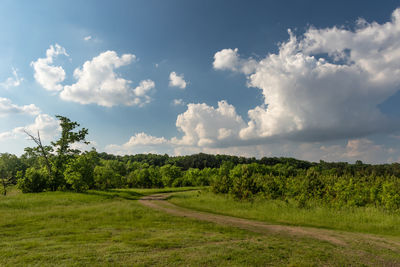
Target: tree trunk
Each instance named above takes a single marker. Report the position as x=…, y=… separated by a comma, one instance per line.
x=44, y=154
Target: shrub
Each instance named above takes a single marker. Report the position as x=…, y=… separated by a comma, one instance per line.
x=33, y=181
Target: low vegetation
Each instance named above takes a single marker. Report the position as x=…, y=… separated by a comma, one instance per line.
x=370, y=220
x=104, y=228
x=60, y=167
x=86, y=211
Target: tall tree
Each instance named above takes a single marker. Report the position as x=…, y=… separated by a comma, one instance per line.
x=68, y=137
x=63, y=147
x=56, y=163
x=42, y=150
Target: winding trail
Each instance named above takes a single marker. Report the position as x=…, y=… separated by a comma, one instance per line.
x=339, y=238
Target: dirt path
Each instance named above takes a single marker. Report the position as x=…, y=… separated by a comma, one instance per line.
x=372, y=248
x=159, y=202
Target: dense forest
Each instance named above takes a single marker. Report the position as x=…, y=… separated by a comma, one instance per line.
x=60, y=167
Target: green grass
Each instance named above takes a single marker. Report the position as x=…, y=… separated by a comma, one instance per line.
x=112, y=229
x=365, y=220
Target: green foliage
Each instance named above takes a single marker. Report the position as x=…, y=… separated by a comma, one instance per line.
x=33, y=181
x=246, y=180
x=357, y=186
x=9, y=166
x=390, y=196
x=64, y=170
x=63, y=150
x=79, y=172
x=68, y=137
x=107, y=175
x=222, y=182
x=145, y=177
x=169, y=173
x=332, y=184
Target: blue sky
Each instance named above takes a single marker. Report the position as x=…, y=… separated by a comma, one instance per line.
x=183, y=77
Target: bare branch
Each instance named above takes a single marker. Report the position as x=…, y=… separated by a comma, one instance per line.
x=38, y=142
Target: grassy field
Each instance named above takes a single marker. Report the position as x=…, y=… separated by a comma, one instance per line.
x=365, y=220
x=113, y=229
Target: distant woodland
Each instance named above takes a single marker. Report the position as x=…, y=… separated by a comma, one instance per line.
x=60, y=167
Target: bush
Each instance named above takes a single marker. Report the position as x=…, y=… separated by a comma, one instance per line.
x=33, y=181
x=246, y=180
x=391, y=195
x=222, y=182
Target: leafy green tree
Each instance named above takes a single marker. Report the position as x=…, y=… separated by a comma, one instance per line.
x=79, y=171
x=222, y=182
x=64, y=151
x=155, y=177
x=42, y=150
x=245, y=180
x=109, y=174
x=142, y=177
x=34, y=180
x=57, y=163
x=169, y=173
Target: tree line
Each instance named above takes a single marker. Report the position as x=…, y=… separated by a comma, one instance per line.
x=60, y=166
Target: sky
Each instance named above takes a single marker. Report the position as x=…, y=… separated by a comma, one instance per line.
x=314, y=80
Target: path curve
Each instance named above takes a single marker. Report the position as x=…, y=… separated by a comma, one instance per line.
x=158, y=202
x=336, y=237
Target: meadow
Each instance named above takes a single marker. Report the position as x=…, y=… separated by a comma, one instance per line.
x=371, y=220
x=110, y=228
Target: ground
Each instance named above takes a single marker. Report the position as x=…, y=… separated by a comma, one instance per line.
x=114, y=228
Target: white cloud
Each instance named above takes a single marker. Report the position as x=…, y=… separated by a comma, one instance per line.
x=359, y=149
x=226, y=59
x=323, y=86
x=139, y=143
x=176, y=80
x=87, y=38
x=310, y=98
x=351, y=150
x=97, y=82
x=13, y=81
x=48, y=126
x=204, y=125
x=47, y=75
x=229, y=59
x=144, y=139
x=141, y=92
x=178, y=102
x=201, y=125
x=7, y=108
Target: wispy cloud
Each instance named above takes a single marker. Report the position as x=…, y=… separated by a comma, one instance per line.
x=14, y=81
x=8, y=108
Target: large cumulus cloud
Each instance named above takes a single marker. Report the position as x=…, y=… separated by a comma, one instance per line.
x=97, y=81
x=320, y=87
x=324, y=85
x=203, y=125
